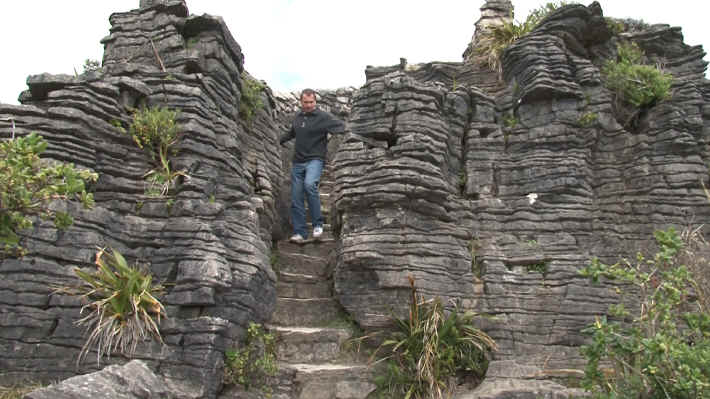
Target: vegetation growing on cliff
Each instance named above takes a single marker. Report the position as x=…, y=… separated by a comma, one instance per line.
x=662, y=350
x=29, y=184
x=155, y=130
x=428, y=349
x=254, y=363
x=499, y=37
x=251, y=98
x=633, y=82
x=636, y=86
x=122, y=304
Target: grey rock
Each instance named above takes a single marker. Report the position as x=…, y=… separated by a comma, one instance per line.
x=210, y=246
x=462, y=179
x=132, y=380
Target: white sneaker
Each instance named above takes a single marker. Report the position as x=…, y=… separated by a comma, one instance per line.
x=317, y=231
x=297, y=238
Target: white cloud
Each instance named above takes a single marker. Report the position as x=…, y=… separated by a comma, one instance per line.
x=290, y=44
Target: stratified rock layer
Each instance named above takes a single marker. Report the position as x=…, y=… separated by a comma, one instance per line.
x=496, y=197
x=490, y=191
x=208, y=242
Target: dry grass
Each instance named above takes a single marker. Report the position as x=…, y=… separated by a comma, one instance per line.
x=696, y=256
x=18, y=391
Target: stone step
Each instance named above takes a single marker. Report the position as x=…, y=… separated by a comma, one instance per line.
x=304, y=286
x=305, y=257
x=305, y=312
x=302, y=263
x=330, y=381
x=327, y=229
x=315, y=345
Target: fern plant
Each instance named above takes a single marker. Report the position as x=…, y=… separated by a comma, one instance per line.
x=123, y=309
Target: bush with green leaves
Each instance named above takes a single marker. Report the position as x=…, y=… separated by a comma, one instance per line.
x=427, y=351
x=155, y=130
x=123, y=309
x=250, y=101
x=29, y=184
x=254, y=363
x=587, y=119
x=499, y=37
x=660, y=349
x=631, y=81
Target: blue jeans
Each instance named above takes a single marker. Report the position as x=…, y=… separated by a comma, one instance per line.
x=304, y=181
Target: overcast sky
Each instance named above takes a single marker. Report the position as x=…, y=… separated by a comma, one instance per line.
x=291, y=44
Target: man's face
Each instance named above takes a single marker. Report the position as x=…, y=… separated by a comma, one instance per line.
x=308, y=103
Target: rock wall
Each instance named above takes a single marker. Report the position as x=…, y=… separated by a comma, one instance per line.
x=209, y=242
x=497, y=197
x=492, y=192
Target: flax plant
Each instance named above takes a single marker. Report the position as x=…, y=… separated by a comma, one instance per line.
x=429, y=349
x=123, y=309
x=499, y=37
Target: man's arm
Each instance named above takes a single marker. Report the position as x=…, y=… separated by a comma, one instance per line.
x=334, y=125
x=288, y=136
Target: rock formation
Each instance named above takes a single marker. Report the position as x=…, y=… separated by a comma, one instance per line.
x=491, y=192
x=456, y=181
x=210, y=242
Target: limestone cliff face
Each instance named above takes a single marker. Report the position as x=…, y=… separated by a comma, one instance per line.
x=210, y=246
x=469, y=189
x=490, y=192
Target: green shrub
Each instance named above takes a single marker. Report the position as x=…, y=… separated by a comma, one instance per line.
x=122, y=304
x=254, y=363
x=499, y=37
x=539, y=267
x=510, y=121
x=632, y=82
x=28, y=185
x=587, y=119
x=155, y=130
x=251, y=98
x=616, y=26
x=428, y=349
x=663, y=349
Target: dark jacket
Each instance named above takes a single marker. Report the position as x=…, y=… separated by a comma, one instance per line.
x=311, y=133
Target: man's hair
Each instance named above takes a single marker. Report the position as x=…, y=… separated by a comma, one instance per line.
x=308, y=92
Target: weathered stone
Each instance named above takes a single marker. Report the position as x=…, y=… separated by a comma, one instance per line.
x=209, y=244
x=489, y=190
x=132, y=380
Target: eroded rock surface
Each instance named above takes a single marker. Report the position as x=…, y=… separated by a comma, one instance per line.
x=209, y=241
x=490, y=191
x=496, y=197
x=132, y=380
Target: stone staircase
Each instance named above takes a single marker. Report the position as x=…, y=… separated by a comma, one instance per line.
x=310, y=325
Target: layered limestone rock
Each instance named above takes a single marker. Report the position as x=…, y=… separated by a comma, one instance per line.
x=473, y=70
x=491, y=192
x=209, y=242
x=497, y=199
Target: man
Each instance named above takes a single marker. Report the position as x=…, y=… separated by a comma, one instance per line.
x=310, y=127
